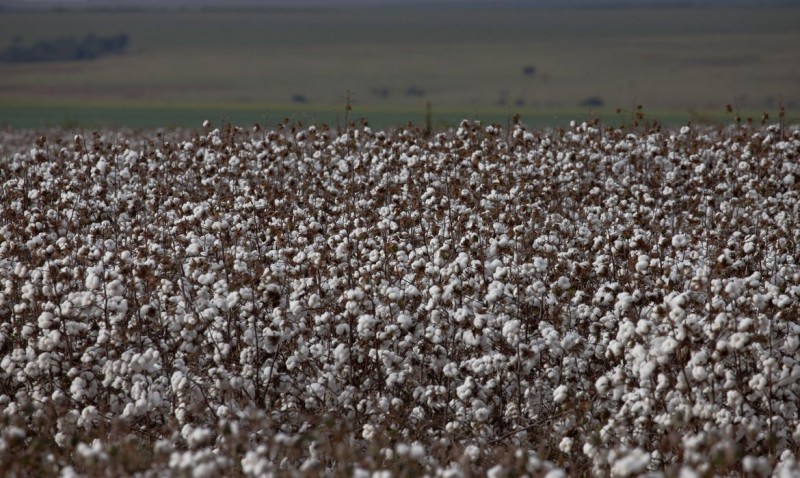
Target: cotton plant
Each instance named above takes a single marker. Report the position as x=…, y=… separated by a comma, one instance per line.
x=477, y=301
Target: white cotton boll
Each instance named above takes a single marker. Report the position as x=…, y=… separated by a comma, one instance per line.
x=45, y=320
x=556, y=473
x=511, y=331
x=141, y=406
x=296, y=307
x=497, y=471
x=88, y=416
x=7, y=364
x=646, y=370
x=341, y=353
x=102, y=166
x=342, y=329
x=699, y=372
x=753, y=465
x=178, y=381
x=32, y=369
x=745, y=324
x=782, y=301
x=417, y=451
x=472, y=452
x=566, y=445
x=570, y=340
x=500, y=273
x=564, y=283
x=791, y=344
x=495, y=292
x=401, y=449
x=560, y=394
x=464, y=391
x=155, y=399
x=642, y=263
x=680, y=241
x=482, y=414
x=602, y=384
x=198, y=437
x=368, y=432
x=394, y=294
x=668, y=346
x=734, y=288
x=27, y=331
x=687, y=472
x=470, y=338
x=634, y=463
x=92, y=282
x=61, y=439
x=614, y=349
x=365, y=325
x=404, y=321
x=491, y=266
x=739, y=340
x=624, y=302
x=207, y=279
x=54, y=338
x=78, y=389
x=299, y=258
x=450, y=370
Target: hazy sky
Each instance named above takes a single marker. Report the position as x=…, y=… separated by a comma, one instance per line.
x=317, y=3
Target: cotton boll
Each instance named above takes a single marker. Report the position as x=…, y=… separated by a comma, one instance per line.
x=565, y=445
x=563, y=283
x=8, y=364
x=129, y=411
x=404, y=321
x=27, y=331
x=642, y=263
x=739, y=340
x=198, y=436
x=368, y=432
x=32, y=370
x=782, y=301
x=464, y=391
x=497, y=471
x=45, y=320
x=699, y=373
x=790, y=345
x=472, y=452
x=602, y=384
x=560, y=394
x=92, y=282
x=680, y=241
x=511, y=331
x=634, y=463
x=482, y=414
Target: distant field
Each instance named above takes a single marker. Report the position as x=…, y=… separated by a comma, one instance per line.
x=291, y=62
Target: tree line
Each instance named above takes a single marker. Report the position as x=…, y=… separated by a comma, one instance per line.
x=89, y=47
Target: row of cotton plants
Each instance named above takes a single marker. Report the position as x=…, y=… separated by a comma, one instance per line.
x=303, y=301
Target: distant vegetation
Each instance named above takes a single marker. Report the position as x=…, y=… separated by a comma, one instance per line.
x=89, y=47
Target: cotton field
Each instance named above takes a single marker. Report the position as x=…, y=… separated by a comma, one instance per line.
x=484, y=301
